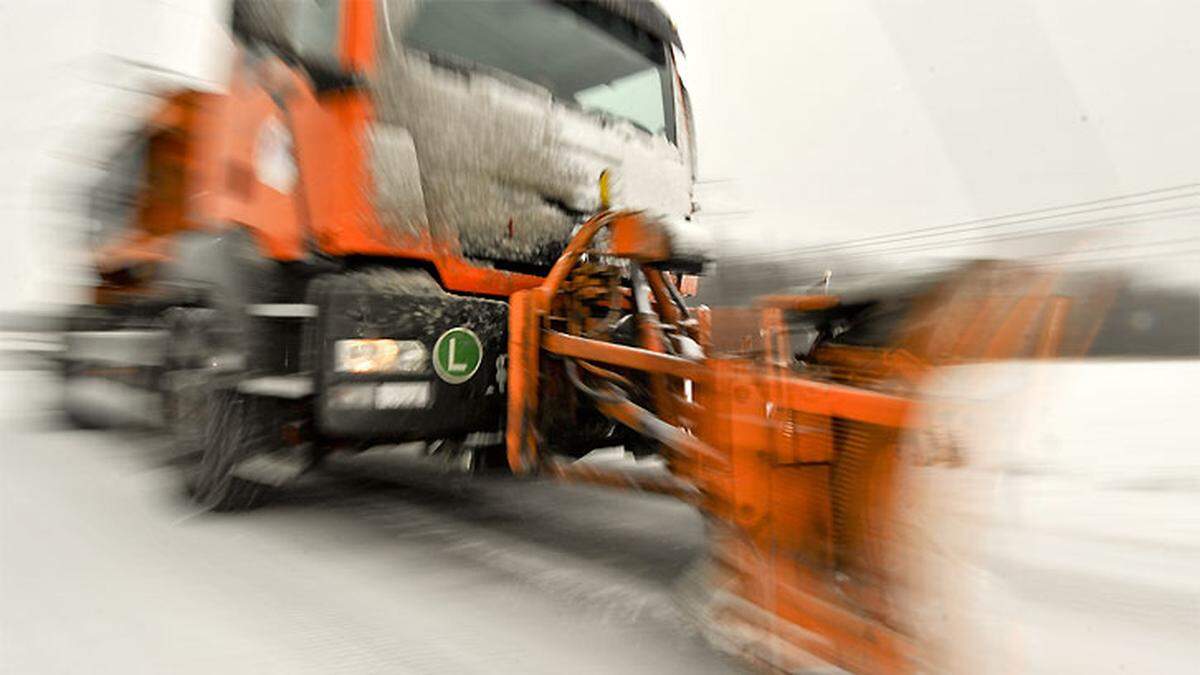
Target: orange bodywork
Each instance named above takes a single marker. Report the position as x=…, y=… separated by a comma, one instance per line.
x=330, y=205
x=163, y=206
x=204, y=172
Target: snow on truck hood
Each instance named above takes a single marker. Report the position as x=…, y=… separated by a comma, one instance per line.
x=506, y=168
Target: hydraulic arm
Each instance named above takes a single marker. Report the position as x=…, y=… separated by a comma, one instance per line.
x=791, y=452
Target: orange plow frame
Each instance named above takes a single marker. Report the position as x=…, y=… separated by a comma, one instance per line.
x=761, y=450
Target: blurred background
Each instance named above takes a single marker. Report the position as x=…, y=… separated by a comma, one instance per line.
x=878, y=135
x=843, y=146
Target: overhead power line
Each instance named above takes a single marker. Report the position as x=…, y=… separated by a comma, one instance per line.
x=995, y=222
x=1108, y=221
x=1124, y=219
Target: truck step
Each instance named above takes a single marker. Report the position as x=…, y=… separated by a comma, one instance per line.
x=116, y=347
x=278, y=386
x=273, y=468
x=99, y=402
x=283, y=311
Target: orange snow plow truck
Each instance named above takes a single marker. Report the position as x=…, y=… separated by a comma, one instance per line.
x=465, y=223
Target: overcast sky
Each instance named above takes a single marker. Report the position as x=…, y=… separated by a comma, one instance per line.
x=830, y=119
x=844, y=118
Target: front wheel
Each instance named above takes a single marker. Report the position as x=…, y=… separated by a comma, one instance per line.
x=237, y=427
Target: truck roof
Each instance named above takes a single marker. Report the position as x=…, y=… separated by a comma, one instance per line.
x=647, y=15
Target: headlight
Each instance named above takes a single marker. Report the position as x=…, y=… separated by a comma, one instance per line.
x=379, y=356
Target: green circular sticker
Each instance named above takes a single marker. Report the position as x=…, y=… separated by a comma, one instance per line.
x=457, y=355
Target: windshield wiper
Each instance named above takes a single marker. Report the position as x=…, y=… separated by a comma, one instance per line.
x=610, y=117
x=467, y=67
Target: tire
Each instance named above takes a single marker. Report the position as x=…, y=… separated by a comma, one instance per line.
x=237, y=427
x=188, y=379
x=185, y=404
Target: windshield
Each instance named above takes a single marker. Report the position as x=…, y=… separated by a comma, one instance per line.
x=583, y=54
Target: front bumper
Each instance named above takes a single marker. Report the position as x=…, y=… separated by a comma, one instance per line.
x=406, y=406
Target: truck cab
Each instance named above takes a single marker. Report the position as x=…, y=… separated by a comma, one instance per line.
x=376, y=181
x=465, y=129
